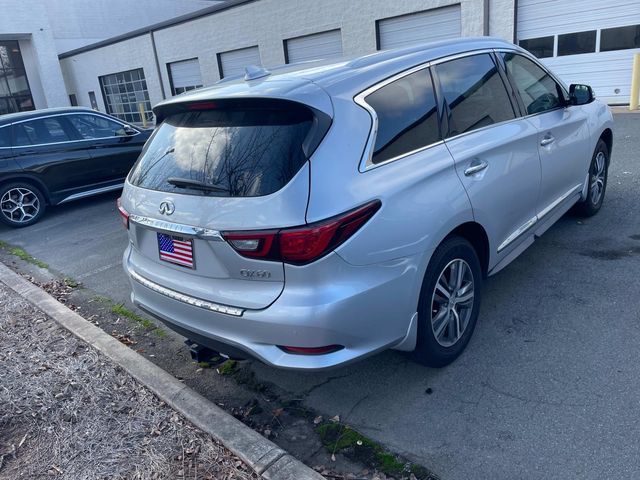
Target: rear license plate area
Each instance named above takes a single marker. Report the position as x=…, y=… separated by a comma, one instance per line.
x=176, y=250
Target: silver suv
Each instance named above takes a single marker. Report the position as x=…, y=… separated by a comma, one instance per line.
x=309, y=217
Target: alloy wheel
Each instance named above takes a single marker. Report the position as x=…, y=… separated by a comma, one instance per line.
x=452, y=302
x=598, y=178
x=19, y=205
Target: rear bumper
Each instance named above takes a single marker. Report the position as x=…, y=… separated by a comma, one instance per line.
x=366, y=309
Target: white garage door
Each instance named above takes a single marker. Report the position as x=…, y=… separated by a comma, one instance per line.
x=185, y=75
x=313, y=47
x=234, y=62
x=422, y=27
x=584, y=41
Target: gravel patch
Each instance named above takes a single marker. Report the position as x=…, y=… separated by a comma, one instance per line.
x=66, y=412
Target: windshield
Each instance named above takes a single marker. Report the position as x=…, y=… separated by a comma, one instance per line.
x=242, y=151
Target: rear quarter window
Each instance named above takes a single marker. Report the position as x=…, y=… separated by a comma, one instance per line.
x=407, y=116
x=237, y=151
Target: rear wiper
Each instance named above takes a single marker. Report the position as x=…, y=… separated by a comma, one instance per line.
x=195, y=184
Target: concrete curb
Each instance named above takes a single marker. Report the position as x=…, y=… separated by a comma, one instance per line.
x=262, y=455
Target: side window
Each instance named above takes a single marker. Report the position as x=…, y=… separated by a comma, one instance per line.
x=539, y=92
x=407, y=116
x=474, y=92
x=5, y=136
x=93, y=126
x=40, y=131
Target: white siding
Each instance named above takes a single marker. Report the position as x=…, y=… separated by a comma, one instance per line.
x=185, y=73
x=609, y=73
x=429, y=26
x=316, y=46
x=234, y=62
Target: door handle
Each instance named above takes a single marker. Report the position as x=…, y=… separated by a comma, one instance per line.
x=477, y=166
x=547, y=140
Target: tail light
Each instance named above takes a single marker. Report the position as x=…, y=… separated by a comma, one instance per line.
x=301, y=245
x=124, y=215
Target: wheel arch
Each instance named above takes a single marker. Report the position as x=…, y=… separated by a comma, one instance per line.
x=607, y=137
x=477, y=236
x=35, y=181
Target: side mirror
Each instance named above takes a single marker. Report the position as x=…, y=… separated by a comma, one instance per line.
x=580, y=94
x=130, y=130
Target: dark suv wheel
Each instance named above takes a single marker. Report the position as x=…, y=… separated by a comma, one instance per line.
x=449, y=303
x=21, y=204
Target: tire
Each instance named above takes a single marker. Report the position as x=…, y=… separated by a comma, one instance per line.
x=598, y=176
x=439, y=342
x=21, y=204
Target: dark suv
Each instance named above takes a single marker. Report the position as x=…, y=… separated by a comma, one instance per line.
x=54, y=156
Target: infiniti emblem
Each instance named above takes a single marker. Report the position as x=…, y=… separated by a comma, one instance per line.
x=167, y=207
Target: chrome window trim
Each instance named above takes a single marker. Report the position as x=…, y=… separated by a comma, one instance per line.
x=138, y=132
x=188, y=299
x=177, y=228
x=532, y=221
x=366, y=162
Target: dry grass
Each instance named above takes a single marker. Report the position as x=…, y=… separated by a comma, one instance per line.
x=67, y=413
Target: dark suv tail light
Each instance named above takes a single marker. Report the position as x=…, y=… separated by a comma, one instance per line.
x=301, y=245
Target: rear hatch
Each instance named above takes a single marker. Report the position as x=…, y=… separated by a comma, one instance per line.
x=217, y=166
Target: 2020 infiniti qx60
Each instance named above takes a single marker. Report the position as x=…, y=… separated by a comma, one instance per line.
x=309, y=217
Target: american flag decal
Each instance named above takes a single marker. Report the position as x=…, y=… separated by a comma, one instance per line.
x=175, y=250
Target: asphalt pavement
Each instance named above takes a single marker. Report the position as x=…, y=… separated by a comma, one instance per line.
x=549, y=386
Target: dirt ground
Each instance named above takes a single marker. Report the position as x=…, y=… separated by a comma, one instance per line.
x=66, y=412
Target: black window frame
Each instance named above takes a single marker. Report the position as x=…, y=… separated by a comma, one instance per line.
x=171, y=86
x=545, y=38
x=563, y=94
x=508, y=87
x=560, y=53
x=616, y=30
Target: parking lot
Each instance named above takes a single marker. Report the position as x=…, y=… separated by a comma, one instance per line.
x=549, y=385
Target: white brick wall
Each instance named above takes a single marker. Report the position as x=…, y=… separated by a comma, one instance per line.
x=265, y=23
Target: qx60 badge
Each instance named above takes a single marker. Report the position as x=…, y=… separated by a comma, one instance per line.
x=167, y=207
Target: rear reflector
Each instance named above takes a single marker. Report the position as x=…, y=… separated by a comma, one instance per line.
x=311, y=350
x=301, y=245
x=124, y=215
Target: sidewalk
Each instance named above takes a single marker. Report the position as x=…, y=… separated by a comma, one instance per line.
x=67, y=412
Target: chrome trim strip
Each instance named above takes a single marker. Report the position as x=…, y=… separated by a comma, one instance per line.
x=196, y=302
x=89, y=193
x=177, y=228
x=107, y=117
x=558, y=201
x=532, y=221
x=523, y=228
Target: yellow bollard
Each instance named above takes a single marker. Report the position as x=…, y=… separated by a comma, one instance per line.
x=634, y=101
x=142, y=116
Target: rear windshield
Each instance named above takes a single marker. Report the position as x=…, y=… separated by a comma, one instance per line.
x=237, y=151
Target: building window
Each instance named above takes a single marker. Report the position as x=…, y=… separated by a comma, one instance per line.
x=15, y=94
x=125, y=94
x=620, y=38
x=541, y=47
x=184, y=76
x=73, y=100
x=575, y=43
